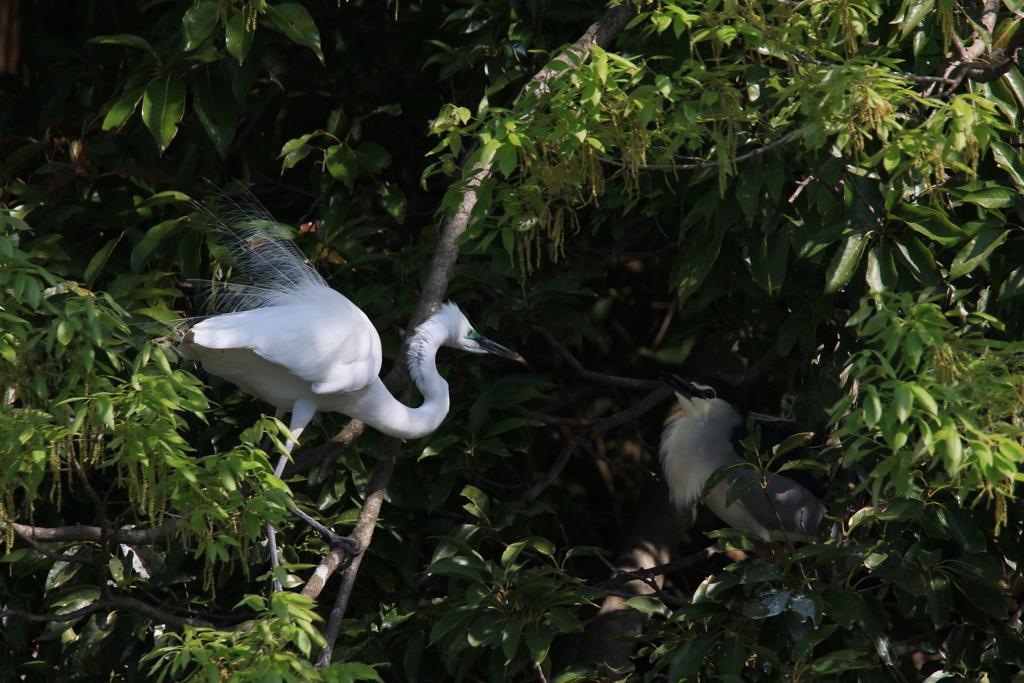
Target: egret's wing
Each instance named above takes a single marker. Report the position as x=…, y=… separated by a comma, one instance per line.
x=325, y=340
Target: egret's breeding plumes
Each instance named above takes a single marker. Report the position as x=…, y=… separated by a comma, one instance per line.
x=704, y=439
x=291, y=340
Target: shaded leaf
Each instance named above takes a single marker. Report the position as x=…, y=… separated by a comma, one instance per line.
x=162, y=108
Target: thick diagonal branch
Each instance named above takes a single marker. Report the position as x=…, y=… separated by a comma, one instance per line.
x=602, y=33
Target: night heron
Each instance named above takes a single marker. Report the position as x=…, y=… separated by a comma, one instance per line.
x=704, y=439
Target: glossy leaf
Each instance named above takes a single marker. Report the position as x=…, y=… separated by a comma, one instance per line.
x=217, y=111
x=199, y=22
x=163, y=106
x=122, y=108
x=931, y=223
x=126, y=39
x=294, y=21
x=239, y=33
x=845, y=262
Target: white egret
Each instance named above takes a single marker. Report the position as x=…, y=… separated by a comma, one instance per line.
x=702, y=441
x=293, y=341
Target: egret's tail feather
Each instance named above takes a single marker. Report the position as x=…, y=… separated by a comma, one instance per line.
x=263, y=250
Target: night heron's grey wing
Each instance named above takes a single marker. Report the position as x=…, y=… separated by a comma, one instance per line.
x=785, y=508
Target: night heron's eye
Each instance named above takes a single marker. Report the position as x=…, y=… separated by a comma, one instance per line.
x=709, y=393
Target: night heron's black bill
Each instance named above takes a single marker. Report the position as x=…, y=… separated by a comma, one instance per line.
x=680, y=385
x=498, y=350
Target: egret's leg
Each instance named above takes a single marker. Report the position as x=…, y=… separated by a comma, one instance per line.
x=302, y=413
x=343, y=543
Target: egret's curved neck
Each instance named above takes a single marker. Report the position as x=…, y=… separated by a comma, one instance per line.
x=375, y=405
x=398, y=419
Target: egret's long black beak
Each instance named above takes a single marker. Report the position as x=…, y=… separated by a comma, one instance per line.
x=680, y=385
x=498, y=350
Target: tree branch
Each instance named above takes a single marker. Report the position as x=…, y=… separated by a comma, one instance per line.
x=596, y=428
x=622, y=576
x=989, y=15
x=602, y=33
x=94, y=534
x=596, y=377
x=710, y=164
x=40, y=548
x=125, y=604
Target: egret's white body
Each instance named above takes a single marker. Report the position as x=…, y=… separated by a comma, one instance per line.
x=700, y=442
x=292, y=341
x=332, y=365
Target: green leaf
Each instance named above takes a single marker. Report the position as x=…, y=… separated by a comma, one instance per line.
x=99, y=260
x=991, y=197
x=342, y=163
x=564, y=621
x=925, y=398
x=199, y=22
x=123, y=39
x=975, y=252
x=459, y=567
x=477, y=498
x=507, y=159
x=648, y=605
x=840, y=606
x=453, y=618
x=739, y=488
x=962, y=528
x=393, y=200
x=901, y=509
x=696, y=259
x=122, y=108
x=217, y=111
x=938, y=597
x=162, y=108
x=1013, y=285
x=691, y=656
x=1016, y=83
x=294, y=21
x=844, y=263
x=510, y=639
x=929, y=222
x=372, y=157
x=791, y=442
x=154, y=237
x=841, y=660
x=1009, y=160
x=881, y=273
x=917, y=9
x=239, y=32
x=903, y=400
x=538, y=639
x=919, y=260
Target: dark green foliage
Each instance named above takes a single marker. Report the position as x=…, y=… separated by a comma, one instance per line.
x=816, y=191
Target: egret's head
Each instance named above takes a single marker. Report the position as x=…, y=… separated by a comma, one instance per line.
x=462, y=335
x=708, y=400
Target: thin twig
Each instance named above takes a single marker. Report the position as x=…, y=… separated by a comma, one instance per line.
x=648, y=581
x=660, y=393
x=596, y=377
x=640, y=574
x=709, y=164
x=548, y=419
